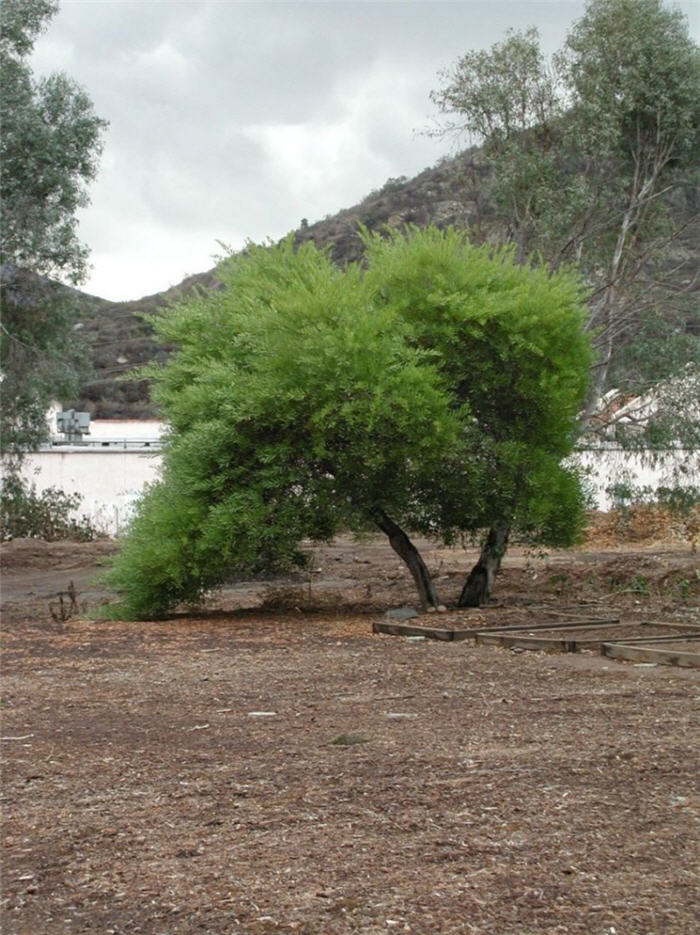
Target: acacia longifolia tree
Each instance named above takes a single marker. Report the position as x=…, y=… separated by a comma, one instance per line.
x=432, y=391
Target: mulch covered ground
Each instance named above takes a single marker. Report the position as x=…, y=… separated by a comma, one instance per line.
x=282, y=770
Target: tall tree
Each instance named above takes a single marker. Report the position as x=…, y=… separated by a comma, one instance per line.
x=510, y=101
x=634, y=78
x=587, y=152
x=433, y=391
x=49, y=149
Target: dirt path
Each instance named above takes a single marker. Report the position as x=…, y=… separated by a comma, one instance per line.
x=288, y=771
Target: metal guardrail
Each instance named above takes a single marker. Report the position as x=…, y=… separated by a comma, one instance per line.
x=104, y=444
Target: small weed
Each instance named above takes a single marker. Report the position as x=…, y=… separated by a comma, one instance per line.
x=67, y=605
x=685, y=585
x=640, y=586
x=560, y=583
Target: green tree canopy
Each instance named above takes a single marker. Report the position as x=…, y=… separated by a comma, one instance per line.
x=49, y=149
x=304, y=399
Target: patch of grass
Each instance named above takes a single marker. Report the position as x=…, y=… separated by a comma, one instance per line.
x=640, y=586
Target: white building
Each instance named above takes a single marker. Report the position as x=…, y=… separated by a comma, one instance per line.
x=108, y=468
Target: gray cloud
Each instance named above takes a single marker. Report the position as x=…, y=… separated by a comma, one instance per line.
x=233, y=120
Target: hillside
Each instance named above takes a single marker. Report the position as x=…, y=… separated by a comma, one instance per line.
x=454, y=192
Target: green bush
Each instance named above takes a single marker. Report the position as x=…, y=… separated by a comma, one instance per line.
x=27, y=514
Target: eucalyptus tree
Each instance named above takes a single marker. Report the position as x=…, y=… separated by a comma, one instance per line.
x=589, y=153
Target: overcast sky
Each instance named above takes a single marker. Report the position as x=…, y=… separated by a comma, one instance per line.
x=234, y=119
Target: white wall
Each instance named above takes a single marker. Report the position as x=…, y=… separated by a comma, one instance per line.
x=109, y=480
x=120, y=458
x=606, y=467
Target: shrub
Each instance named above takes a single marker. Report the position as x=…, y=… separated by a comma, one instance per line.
x=29, y=514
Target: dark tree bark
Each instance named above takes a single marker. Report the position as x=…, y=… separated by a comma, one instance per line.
x=479, y=584
x=407, y=551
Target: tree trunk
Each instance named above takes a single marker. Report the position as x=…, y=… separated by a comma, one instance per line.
x=478, y=586
x=407, y=551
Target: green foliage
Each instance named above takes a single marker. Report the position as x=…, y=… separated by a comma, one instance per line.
x=508, y=99
x=585, y=153
x=679, y=501
x=501, y=92
x=49, y=148
x=508, y=339
x=40, y=357
x=22, y=22
x=303, y=399
x=640, y=586
x=48, y=151
x=27, y=514
x=633, y=73
x=659, y=345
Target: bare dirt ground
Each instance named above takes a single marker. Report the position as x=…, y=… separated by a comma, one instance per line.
x=273, y=766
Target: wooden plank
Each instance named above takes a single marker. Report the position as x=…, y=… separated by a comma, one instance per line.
x=650, y=654
x=689, y=626
x=516, y=641
x=581, y=624
x=679, y=645
x=596, y=642
x=554, y=632
x=460, y=633
x=548, y=627
x=562, y=644
x=407, y=629
x=669, y=638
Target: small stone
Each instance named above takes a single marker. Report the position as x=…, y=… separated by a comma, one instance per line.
x=349, y=740
x=441, y=609
x=402, y=613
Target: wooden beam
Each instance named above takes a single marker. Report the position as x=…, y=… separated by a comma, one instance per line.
x=460, y=633
x=595, y=642
x=521, y=640
x=688, y=626
x=573, y=625
x=407, y=629
x=667, y=657
x=518, y=636
x=669, y=638
x=517, y=641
